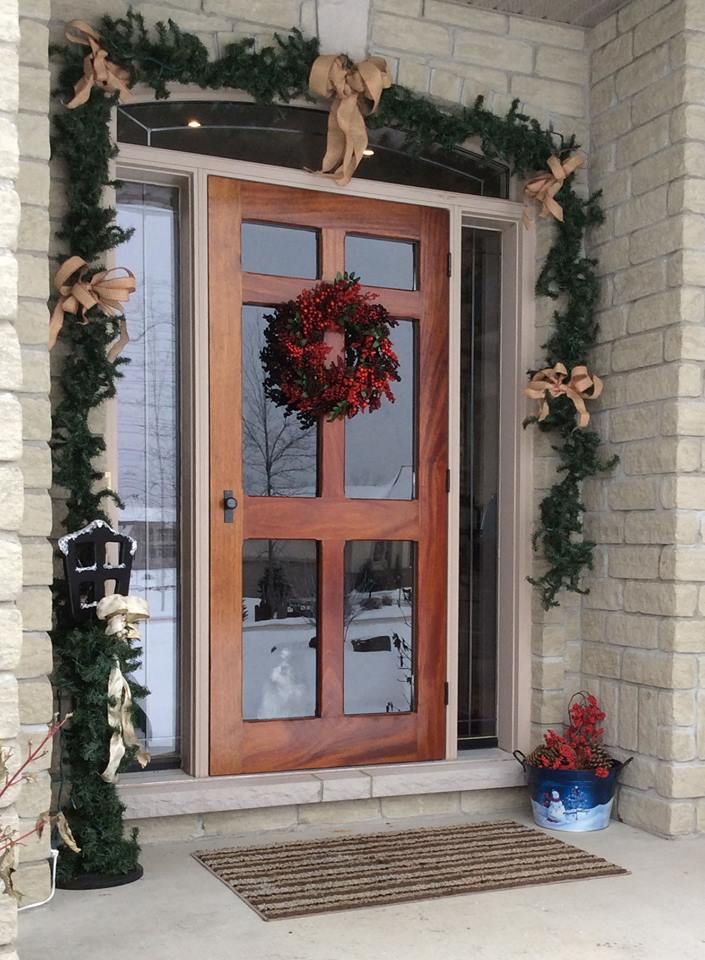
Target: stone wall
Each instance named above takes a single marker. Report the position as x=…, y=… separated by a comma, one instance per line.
x=11, y=487
x=642, y=625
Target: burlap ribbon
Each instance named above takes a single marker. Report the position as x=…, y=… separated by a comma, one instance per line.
x=108, y=290
x=355, y=91
x=544, y=187
x=554, y=382
x=122, y=615
x=97, y=69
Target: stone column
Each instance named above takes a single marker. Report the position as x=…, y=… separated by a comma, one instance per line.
x=643, y=626
x=11, y=486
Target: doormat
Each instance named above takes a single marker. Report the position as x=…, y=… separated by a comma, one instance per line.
x=317, y=876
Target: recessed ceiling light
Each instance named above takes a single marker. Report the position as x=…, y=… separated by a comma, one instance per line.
x=369, y=152
x=194, y=123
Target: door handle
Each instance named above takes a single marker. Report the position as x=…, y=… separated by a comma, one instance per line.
x=229, y=506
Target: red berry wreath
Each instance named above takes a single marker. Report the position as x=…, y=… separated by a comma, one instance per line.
x=301, y=376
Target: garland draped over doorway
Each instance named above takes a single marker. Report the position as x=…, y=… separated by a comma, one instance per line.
x=131, y=54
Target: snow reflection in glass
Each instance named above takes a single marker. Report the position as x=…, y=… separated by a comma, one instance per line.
x=379, y=626
x=279, y=612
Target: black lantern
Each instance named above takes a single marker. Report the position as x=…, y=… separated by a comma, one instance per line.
x=88, y=570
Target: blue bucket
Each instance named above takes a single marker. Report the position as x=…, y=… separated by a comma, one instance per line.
x=572, y=800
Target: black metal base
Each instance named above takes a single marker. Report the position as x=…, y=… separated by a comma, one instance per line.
x=99, y=881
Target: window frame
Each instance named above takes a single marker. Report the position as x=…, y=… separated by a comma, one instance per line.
x=190, y=173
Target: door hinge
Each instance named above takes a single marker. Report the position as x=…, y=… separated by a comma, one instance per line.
x=450, y=264
x=447, y=481
x=446, y=694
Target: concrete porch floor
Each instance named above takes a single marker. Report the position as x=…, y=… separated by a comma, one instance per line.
x=180, y=911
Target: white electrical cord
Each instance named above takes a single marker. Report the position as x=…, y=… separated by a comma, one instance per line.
x=30, y=906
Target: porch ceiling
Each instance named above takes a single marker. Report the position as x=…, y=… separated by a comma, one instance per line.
x=583, y=13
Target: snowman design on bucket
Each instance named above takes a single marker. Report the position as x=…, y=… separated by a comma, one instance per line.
x=556, y=811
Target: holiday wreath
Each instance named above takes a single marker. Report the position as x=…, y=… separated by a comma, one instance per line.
x=302, y=372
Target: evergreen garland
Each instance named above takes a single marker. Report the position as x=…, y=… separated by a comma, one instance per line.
x=279, y=72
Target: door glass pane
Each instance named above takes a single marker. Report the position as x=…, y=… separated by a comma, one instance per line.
x=280, y=251
x=279, y=456
x=380, y=262
x=379, y=626
x=479, y=483
x=380, y=447
x=147, y=448
x=279, y=617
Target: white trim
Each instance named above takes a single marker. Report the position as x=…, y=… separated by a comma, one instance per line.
x=174, y=793
x=515, y=449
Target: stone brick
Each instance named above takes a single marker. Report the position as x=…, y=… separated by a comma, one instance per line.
x=33, y=183
x=660, y=97
x=547, y=674
x=603, y=594
x=36, y=659
x=604, y=528
x=36, y=465
x=658, y=28
x=445, y=85
x=637, y=351
x=488, y=802
x=601, y=660
x=564, y=98
x=650, y=527
x=8, y=286
x=681, y=780
x=11, y=496
x=656, y=814
x=33, y=882
x=648, y=721
x=10, y=567
x=640, y=563
x=685, y=342
x=561, y=64
x=633, y=494
x=450, y=13
x=611, y=57
x=34, y=44
x=36, y=700
x=11, y=634
x=9, y=217
x=37, y=562
x=400, y=33
x=414, y=75
x=676, y=708
x=35, y=605
x=677, y=744
x=340, y=811
x=602, y=32
x=431, y=804
x=37, y=520
x=628, y=717
x=639, y=281
x=656, y=668
x=637, y=11
x=631, y=630
x=8, y=919
x=683, y=563
x=683, y=492
x=688, y=123
x=642, y=72
x=9, y=707
x=235, y=822
x=172, y=829
x=662, y=599
x=667, y=455
x=675, y=306
x=603, y=95
x=34, y=231
x=682, y=636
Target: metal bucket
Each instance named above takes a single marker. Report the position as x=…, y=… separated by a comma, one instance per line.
x=572, y=800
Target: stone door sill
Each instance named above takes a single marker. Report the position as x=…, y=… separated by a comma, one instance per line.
x=175, y=793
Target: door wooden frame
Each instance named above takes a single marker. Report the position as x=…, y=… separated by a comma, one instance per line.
x=332, y=738
x=149, y=164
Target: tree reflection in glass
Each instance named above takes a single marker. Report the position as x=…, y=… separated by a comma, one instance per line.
x=279, y=456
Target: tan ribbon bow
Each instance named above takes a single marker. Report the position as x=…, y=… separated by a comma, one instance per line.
x=97, y=69
x=108, y=290
x=544, y=187
x=123, y=614
x=554, y=382
x=355, y=90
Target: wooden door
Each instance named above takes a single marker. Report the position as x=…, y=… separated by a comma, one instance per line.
x=328, y=579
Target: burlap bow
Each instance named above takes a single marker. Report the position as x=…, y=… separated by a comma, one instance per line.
x=355, y=90
x=554, y=382
x=544, y=187
x=108, y=290
x=123, y=614
x=97, y=69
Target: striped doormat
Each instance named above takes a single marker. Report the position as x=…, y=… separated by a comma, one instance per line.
x=316, y=876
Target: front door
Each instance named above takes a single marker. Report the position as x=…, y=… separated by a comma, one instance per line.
x=328, y=578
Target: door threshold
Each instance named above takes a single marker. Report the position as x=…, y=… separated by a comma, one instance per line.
x=167, y=793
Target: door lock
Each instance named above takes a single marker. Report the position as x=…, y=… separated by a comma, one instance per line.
x=229, y=506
